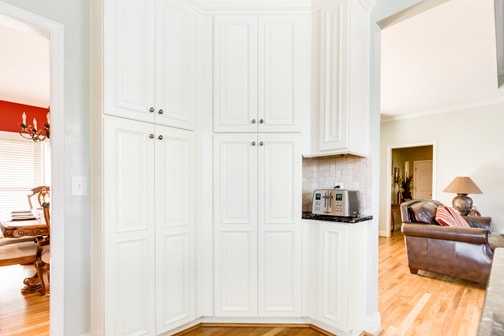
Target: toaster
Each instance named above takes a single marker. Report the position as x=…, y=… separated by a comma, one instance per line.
x=336, y=202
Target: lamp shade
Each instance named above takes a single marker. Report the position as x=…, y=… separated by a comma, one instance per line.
x=463, y=185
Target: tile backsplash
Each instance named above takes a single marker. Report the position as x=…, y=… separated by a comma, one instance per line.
x=353, y=172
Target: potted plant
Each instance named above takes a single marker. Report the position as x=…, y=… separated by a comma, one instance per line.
x=406, y=186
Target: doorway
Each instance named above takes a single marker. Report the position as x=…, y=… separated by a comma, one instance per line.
x=55, y=35
x=408, y=162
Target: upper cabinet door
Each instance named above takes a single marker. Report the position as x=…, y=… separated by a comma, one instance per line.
x=261, y=71
x=129, y=58
x=150, y=61
x=235, y=73
x=283, y=58
x=176, y=41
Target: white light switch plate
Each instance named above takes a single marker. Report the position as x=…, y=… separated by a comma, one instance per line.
x=79, y=186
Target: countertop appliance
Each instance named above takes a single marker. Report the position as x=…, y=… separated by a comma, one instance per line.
x=336, y=202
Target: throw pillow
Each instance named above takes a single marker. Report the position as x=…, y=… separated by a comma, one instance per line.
x=450, y=217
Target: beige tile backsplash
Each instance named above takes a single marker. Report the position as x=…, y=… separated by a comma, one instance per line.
x=323, y=172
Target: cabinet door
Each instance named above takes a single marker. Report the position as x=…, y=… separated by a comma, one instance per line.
x=235, y=73
x=235, y=204
x=175, y=64
x=333, y=275
x=283, y=47
x=175, y=259
x=129, y=58
x=279, y=223
x=129, y=263
x=334, y=77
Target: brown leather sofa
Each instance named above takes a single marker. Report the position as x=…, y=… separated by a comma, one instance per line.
x=459, y=252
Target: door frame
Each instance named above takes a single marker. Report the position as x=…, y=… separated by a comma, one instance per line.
x=57, y=61
x=388, y=203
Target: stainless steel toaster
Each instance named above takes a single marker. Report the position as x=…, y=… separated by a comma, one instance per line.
x=336, y=202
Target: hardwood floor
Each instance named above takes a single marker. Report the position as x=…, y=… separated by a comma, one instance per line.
x=21, y=314
x=425, y=304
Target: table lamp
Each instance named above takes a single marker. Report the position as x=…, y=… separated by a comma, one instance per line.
x=462, y=185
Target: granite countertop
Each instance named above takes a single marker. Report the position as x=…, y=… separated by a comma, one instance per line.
x=338, y=219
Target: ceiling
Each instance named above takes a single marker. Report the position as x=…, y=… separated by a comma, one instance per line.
x=438, y=60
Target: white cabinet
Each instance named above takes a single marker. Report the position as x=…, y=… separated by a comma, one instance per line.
x=336, y=274
x=340, y=110
x=149, y=268
x=261, y=71
x=150, y=61
x=257, y=202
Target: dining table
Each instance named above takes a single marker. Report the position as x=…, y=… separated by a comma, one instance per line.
x=15, y=227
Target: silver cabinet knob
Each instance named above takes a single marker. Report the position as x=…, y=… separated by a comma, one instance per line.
x=160, y=111
x=160, y=137
x=253, y=121
x=151, y=109
x=253, y=143
x=261, y=121
x=151, y=136
x=261, y=143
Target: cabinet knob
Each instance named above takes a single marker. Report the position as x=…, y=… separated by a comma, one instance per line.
x=160, y=137
x=160, y=111
x=151, y=136
x=151, y=109
x=253, y=143
x=261, y=143
x=253, y=121
x=261, y=121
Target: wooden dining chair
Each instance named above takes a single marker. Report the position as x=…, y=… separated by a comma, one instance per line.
x=42, y=193
x=43, y=254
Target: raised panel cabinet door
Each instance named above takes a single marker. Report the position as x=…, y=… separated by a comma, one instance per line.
x=176, y=40
x=333, y=275
x=279, y=222
x=235, y=73
x=334, y=83
x=129, y=58
x=175, y=247
x=128, y=229
x=235, y=237
x=283, y=47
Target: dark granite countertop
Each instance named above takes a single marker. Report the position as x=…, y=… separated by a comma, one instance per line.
x=338, y=219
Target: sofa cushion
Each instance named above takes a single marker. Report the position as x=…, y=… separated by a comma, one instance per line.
x=424, y=211
x=447, y=216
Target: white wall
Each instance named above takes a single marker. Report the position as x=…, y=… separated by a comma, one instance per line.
x=469, y=142
x=74, y=16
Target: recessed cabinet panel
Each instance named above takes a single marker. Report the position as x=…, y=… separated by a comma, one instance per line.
x=129, y=45
x=281, y=55
x=176, y=64
x=280, y=273
x=236, y=272
x=235, y=73
x=333, y=272
x=175, y=281
x=280, y=178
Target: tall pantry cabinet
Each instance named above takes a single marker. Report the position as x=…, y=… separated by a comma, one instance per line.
x=261, y=67
x=147, y=238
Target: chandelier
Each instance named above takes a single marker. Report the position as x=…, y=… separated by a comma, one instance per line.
x=32, y=131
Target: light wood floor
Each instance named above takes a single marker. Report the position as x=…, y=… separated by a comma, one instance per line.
x=425, y=304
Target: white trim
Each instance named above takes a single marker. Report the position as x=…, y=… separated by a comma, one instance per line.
x=55, y=31
x=389, y=177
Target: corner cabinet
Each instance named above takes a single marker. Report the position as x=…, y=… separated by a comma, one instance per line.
x=257, y=235
x=150, y=61
x=336, y=272
x=261, y=67
x=341, y=104
x=148, y=231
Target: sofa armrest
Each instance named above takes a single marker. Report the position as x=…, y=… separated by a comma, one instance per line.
x=468, y=235
x=479, y=222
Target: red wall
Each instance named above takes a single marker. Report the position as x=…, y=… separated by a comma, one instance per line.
x=11, y=115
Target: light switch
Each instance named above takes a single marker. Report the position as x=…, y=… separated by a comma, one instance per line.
x=79, y=186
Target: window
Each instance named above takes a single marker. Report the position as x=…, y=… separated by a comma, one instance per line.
x=24, y=164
